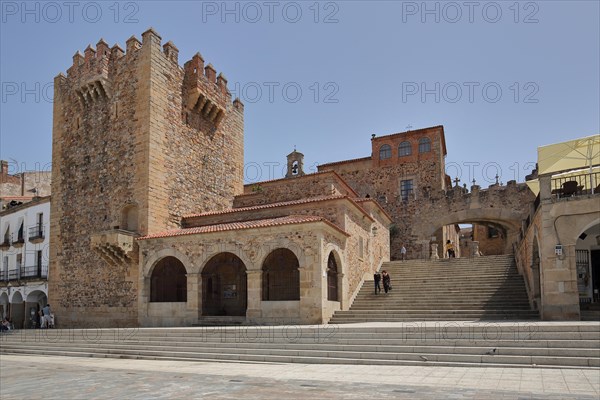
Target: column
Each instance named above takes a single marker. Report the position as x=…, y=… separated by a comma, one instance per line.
x=194, y=296
x=254, y=285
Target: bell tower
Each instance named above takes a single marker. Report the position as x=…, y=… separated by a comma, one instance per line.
x=295, y=164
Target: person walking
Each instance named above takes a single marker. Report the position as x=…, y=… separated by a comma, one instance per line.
x=450, y=249
x=387, y=283
x=377, y=280
x=403, y=253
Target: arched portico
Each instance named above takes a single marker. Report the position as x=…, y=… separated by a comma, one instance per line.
x=224, y=286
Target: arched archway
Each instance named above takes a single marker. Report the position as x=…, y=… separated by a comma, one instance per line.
x=224, y=286
x=333, y=273
x=280, y=276
x=587, y=263
x=17, y=310
x=168, y=282
x=36, y=300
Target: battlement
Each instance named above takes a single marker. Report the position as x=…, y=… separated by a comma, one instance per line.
x=205, y=92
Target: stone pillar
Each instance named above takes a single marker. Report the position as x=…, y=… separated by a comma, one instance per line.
x=254, y=285
x=434, y=251
x=475, y=249
x=194, y=296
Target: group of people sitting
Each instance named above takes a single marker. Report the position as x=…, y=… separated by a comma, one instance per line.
x=6, y=325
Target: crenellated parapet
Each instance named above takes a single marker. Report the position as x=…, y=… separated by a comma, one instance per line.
x=206, y=93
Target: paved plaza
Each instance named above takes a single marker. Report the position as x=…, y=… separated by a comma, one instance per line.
x=37, y=377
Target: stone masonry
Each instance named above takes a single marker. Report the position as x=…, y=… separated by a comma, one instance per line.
x=146, y=123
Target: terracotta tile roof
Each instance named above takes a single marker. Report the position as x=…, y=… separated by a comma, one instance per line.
x=234, y=226
x=266, y=206
x=411, y=131
x=344, y=162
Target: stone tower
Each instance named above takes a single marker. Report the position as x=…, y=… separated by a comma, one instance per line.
x=138, y=141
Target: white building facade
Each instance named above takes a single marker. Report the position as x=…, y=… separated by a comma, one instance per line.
x=24, y=251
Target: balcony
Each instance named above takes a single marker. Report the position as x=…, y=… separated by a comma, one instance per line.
x=116, y=246
x=36, y=233
x=35, y=271
x=5, y=244
x=576, y=185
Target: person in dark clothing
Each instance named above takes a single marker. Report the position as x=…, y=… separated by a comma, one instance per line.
x=387, y=284
x=377, y=279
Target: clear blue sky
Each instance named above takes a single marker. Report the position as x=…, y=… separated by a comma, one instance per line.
x=362, y=67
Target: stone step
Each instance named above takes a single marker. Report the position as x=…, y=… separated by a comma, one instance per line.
x=306, y=349
x=321, y=357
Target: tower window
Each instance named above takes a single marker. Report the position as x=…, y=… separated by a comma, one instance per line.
x=385, y=152
x=404, y=149
x=424, y=145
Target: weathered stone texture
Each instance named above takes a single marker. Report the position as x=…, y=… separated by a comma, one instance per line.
x=121, y=139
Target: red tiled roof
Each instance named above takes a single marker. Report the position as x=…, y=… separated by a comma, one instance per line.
x=265, y=206
x=233, y=226
x=411, y=131
x=344, y=162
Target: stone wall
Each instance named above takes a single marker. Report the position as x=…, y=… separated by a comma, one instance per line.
x=290, y=189
x=124, y=137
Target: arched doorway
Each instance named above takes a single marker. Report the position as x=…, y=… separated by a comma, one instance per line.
x=587, y=263
x=280, y=276
x=332, y=278
x=168, y=283
x=36, y=300
x=17, y=310
x=224, y=286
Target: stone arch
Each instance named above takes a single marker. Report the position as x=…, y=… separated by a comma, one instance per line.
x=268, y=247
x=334, y=275
x=224, y=285
x=156, y=257
x=168, y=281
x=17, y=309
x=281, y=276
x=588, y=226
x=511, y=221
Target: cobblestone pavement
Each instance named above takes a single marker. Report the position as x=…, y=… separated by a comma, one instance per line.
x=37, y=377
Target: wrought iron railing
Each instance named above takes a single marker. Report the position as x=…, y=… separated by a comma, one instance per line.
x=576, y=185
x=35, y=271
x=36, y=232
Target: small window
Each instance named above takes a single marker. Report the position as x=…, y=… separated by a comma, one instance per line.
x=385, y=152
x=405, y=149
x=424, y=145
x=406, y=189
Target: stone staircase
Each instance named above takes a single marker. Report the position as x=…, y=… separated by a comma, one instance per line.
x=493, y=344
x=479, y=288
